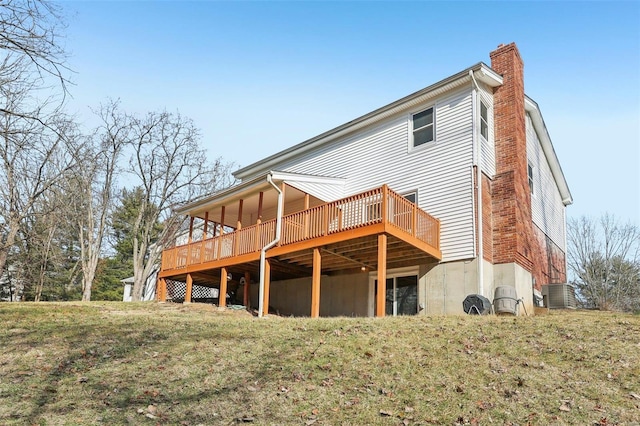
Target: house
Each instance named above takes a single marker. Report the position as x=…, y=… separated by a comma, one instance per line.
x=453, y=190
x=148, y=291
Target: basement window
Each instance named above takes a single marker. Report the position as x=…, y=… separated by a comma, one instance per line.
x=423, y=127
x=484, y=121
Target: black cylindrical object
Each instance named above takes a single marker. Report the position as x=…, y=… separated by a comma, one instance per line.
x=476, y=304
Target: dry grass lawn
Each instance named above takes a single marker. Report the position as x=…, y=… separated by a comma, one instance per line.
x=116, y=363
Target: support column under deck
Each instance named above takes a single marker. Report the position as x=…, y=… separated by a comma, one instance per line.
x=187, y=293
x=161, y=290
x=315, y=283
x=381, y=289
x=246, y=296
x=222, y=294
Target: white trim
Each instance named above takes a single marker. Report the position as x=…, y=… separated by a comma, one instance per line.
x=253, y=186
x=393, y=273
x=413, y=192
x=486, y=107
x=411, y=147
x=547, y=147
x=531, y=179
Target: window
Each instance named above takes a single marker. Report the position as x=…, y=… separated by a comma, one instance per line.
x=401, y=296
x=410, y=197
x=530, y=174
x=484, y=121
x=423, y=127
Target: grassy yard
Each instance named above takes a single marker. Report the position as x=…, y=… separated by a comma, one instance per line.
x=116, y=363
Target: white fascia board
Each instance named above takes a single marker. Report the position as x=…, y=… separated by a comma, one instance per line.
x=297, y=177
x=484, y=74
x=488, y=76
x=251, y=187
x=219, y=198
x=547, y=147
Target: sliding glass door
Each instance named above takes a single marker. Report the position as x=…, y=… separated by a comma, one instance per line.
x=401, y=295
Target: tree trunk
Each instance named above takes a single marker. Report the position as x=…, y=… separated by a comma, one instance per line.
x=8, y=243
x=87, y=282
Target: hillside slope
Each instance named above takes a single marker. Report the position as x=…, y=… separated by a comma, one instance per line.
x=116, y=363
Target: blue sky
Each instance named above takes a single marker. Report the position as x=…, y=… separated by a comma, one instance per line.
x=258, y=77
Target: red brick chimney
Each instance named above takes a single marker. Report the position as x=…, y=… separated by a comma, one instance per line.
x=511, y=198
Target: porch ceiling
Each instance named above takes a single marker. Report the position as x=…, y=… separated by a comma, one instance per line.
x=359, y=254
x=297, y=185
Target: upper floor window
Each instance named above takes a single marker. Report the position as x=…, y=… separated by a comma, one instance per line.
x=530, y=169
x=411, y=196
x=423, y=127
x=484, y=121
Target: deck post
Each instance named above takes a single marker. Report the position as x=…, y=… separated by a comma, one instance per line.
x=258, y=245
x=222, y=220
x=221, y=233
x=315, y=283
x=414, y=220
x=384, y=204
x=306, y=216
x=260, y=198
x=222, y=294
x=191, y=228
x=206, y=226
x=382, y=276
x=325, y=220
x=246, y=296
x=161, y=290
x=267, y=284
x=239, y=222
x=187, y=293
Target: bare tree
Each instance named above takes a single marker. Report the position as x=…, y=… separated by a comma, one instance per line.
x=36, y=253
x=30, y=32
x=604, y=259
x=32, y=130
x=94, y=188
x=172, y=168
x=34, y=156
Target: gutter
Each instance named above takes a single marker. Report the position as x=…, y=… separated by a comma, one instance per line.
x=479, y=185
x=275, y=241
x=533, y=109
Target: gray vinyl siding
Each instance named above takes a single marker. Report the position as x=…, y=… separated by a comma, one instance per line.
x=488, y=146
x=440, y=172
x=547, y=209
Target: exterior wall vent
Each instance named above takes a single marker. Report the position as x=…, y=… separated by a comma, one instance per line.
x=559, y=296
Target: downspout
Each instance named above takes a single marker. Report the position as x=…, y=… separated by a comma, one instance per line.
x=478, y=147
x=268, y=246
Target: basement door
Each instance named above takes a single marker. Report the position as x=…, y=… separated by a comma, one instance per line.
x=402, y=295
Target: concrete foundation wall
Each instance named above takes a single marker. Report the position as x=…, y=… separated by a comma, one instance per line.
x=514, y=275
x=447, y=284
x=441, y=290
x=342, y=295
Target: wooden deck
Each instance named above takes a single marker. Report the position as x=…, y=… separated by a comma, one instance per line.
x=345, y=229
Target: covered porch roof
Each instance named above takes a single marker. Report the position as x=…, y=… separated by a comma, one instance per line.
x=322, y=188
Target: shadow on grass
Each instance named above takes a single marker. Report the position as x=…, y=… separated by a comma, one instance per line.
x=110, y=370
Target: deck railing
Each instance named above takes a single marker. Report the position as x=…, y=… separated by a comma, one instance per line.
x=376, y=206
